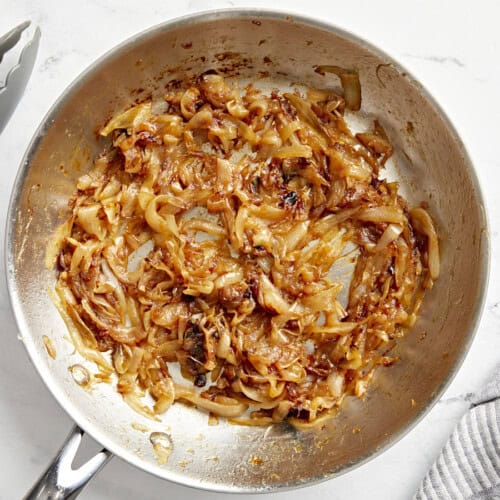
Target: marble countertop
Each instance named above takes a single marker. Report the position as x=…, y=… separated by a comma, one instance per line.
x=451, y=47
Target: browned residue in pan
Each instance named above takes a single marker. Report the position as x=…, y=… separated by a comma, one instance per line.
x=254, y=460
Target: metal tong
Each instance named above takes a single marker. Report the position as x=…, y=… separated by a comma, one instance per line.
x=18, y=76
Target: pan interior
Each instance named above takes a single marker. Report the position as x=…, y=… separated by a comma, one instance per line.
x=430, y=164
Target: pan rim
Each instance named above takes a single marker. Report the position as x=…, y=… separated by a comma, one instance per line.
x=71, y=409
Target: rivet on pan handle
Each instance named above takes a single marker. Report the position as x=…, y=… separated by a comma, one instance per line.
x=60, y=481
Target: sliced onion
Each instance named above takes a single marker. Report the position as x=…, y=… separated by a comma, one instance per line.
x=56, y=243
x=188, y=102
x=228, y=279
x=391, y=233
x=270, y=297
x=350, y=84
x=138, y=255
x=382, y=214
x=233, y=409
x=335, y=382
x=306, y=113
x=237, y=109
x=422, y=222
x=293, y=237
x=127, y=119
x=88, y=218
x=165, y=224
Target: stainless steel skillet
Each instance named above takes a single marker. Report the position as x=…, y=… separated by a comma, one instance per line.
x=431, y=165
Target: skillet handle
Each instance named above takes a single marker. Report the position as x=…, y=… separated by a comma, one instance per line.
x=60, y=481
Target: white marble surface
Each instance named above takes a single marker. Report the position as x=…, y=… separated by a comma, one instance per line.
x=451, y=46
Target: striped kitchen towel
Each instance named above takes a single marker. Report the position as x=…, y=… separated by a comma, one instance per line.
x=469, y=464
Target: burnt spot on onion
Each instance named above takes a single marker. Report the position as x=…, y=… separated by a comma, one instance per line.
x=259, y=250
x=391, y=270
x=298, y=412
x=188, y=298
x=193, y=351
x=290, y=198
x=233, y=296
x=254, y=185
x=144, y=138
x=200, y=380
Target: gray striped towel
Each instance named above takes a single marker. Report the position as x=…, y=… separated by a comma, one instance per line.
x=469, y=464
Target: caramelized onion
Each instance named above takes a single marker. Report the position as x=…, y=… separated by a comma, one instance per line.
x=208, y=236
x=422, y=222
x=350, y=84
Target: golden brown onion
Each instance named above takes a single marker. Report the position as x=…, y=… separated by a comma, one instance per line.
x=211, y=234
